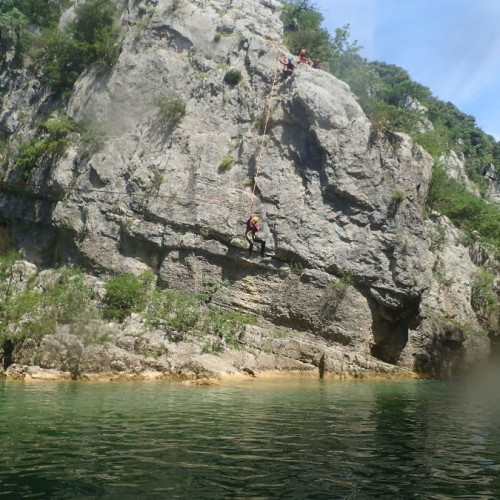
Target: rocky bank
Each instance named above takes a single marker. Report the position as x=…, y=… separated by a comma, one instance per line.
x=362, y=282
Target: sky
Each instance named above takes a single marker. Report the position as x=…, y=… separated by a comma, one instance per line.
x=450, y=46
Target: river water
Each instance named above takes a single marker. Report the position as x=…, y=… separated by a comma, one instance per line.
x=253, y=439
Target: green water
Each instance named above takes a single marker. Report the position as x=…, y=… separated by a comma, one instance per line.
x=282, y=439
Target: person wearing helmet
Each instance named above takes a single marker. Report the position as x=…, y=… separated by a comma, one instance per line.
x=317, y=64
x=302, y=57
x=251, y=235
x=290, y=66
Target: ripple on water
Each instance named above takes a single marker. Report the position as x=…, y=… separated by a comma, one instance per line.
x=270, y=439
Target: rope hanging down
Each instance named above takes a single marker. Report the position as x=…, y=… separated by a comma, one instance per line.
x=264, y=131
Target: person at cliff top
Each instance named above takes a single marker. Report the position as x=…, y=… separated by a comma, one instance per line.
x=289, y=66
x=317, y=64
x=251, y=235
x=302, y=57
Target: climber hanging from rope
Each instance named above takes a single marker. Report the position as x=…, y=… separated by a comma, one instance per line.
x=252, y=228
x=251, y=235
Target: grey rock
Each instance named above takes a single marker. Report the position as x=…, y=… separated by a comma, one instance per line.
x=341, y=205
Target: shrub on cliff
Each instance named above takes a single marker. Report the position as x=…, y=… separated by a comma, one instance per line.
x=61, y=55
x=95, y=29
x=233, y=77
x=170, y=110
x=126, y=294
x=180, y=310
x=17, y=15
x=12, y=24
x=35, y=310
x=226, y=164
x=93, y=37
x=50, y=143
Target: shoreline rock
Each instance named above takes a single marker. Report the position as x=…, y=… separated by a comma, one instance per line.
x=36, y=374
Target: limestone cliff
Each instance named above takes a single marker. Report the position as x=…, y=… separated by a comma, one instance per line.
x=341, y=204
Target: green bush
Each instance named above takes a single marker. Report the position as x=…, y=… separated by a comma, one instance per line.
x=49, y=144
x=226, y=163
x=180, y=310
x=34, y=312
x=53, y=139
x=40, y=12
x=398, y=195
x=233, y=77
x=17, y=15
x=435, y=142
x=171, y=110
x=61, y=59
x=92, y=16
x=186, y=311
x=105, y=49
x=12, y=25
x=340, y=286
x=91, y=38
x=126, y=294
x=228, y=325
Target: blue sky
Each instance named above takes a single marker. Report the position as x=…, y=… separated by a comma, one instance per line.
x=450, y=46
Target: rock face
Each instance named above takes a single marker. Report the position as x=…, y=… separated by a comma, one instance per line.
x=454, y=165
x=341, y=204
x=152, y=355
x=493, y=179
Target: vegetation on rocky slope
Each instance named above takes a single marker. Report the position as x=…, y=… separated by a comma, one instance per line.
x=34, y=308
x=394, y=102
x=464, y=209
x=29, y=30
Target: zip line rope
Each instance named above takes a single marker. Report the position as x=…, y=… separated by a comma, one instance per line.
x=122, y=193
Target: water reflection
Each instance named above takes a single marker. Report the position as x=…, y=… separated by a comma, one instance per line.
x=259, y=439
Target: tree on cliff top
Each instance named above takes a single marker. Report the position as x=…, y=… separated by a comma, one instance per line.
x=302, y=25
x=17, y=15
x=30, y=27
